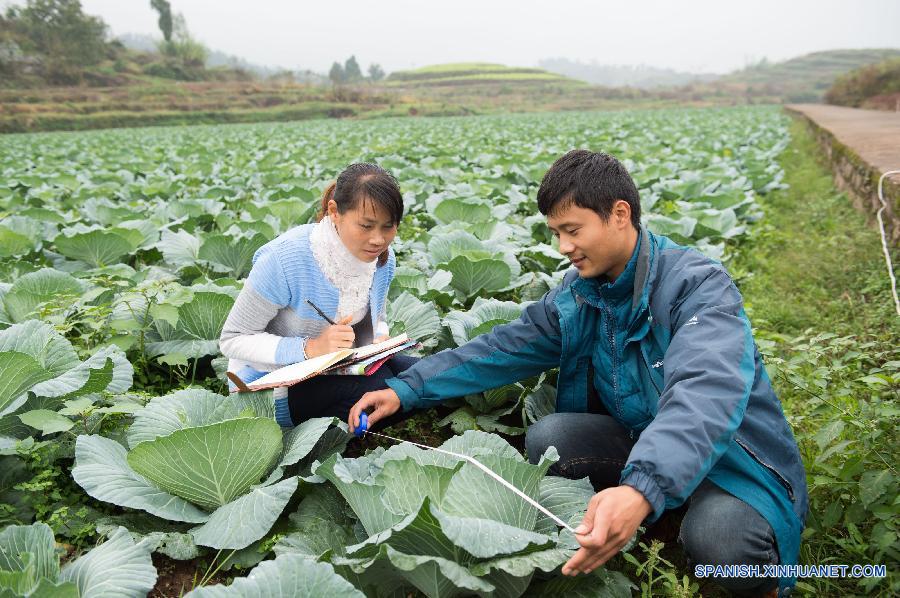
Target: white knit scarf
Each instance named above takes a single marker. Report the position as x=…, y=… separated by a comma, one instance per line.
x=352, y=276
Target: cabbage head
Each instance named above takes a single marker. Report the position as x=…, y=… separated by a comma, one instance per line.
x=439, y=524
x=198, y=457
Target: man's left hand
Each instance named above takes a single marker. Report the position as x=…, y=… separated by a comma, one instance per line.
x=613, y=515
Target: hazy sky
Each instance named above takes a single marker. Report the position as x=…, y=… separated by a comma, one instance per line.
x=698, y=36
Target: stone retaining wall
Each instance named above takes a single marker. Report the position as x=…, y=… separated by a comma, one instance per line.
x=858, y=178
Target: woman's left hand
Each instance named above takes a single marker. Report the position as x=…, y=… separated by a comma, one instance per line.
x=380, y=339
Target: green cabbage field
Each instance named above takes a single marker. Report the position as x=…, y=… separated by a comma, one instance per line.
x=122, y=254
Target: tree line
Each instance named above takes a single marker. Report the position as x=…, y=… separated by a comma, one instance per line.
x=53, y=38
x=350, y=72
x=55, y=42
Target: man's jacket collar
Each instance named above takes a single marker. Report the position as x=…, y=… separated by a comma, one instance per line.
x=589, y=290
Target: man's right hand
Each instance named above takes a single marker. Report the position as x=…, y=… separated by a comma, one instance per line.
x=383, y=402
x=334, y=338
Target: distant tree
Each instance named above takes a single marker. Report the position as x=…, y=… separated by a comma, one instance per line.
x=165, y=17
x=853, y=88
x=65, y=37
x=352, y=71
x=376, y=73
x=759, y=65
x=190, y=53
x=11, y=55
x=336, y=74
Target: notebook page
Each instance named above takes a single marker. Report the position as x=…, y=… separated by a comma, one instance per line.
x=370, y=350
x=299, y=371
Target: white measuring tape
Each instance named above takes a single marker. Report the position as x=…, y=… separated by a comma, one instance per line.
x=489, y=472
x=884, y=243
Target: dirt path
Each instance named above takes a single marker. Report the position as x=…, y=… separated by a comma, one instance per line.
x=873, y=134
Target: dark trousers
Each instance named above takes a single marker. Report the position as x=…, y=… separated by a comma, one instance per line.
x=333, y=396
x=718, y=529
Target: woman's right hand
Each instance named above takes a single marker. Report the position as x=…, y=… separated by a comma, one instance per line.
x=334, y=338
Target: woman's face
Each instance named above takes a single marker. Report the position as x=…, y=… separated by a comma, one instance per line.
x=366, y=231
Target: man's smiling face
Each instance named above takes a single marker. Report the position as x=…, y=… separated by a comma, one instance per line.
x=593, y=246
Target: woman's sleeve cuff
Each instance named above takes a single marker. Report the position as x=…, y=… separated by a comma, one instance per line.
x=291, y=349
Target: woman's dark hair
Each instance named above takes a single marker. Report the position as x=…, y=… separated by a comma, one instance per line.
x=590, y=180
x=361, y=182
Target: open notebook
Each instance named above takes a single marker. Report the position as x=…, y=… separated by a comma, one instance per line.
x=369, y=365
x=339, y=362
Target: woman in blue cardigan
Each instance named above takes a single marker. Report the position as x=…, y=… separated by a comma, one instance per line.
x=344, y=265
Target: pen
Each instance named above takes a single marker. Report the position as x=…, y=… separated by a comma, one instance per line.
x=320, y=312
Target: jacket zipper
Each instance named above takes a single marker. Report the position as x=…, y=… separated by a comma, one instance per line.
x=780, y=477
x=611, y=336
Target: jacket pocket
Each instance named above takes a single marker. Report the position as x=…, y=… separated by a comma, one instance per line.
x=778, y=476
x=652, y=363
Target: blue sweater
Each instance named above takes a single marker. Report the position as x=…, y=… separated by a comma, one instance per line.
x=270, y=322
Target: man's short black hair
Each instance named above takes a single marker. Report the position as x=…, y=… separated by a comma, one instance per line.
x=591, y=180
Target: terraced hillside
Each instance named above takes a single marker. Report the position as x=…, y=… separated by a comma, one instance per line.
x=476, y=73
x=802, y=79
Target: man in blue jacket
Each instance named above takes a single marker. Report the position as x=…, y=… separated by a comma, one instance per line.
x=662, y=397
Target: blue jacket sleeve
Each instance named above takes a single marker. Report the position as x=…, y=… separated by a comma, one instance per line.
x=710, y=369
x=509, y=352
